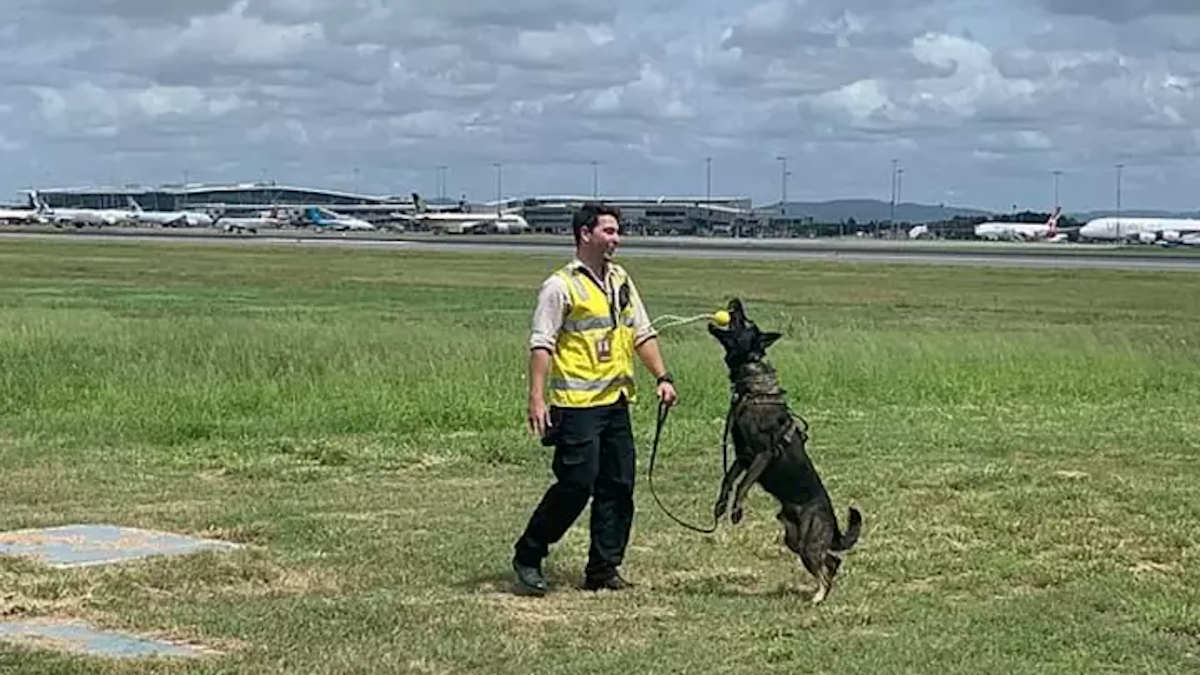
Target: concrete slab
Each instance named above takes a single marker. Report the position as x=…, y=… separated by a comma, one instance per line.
x=88, y=544
x=81, y=638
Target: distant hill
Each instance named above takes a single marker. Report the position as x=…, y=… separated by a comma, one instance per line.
x=867, y=210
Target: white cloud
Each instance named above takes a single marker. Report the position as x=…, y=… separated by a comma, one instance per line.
x=979, y=100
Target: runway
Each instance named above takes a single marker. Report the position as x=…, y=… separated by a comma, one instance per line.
x=865, y=255
x=974, y=254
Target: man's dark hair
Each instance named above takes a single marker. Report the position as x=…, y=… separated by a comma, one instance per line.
x=589, y=213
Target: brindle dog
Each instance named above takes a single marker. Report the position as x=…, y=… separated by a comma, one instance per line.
x=770, y=449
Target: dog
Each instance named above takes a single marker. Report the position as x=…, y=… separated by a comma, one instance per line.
x=770, y=451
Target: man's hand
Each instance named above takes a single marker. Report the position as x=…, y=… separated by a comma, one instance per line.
x=538, y=417
x=666, y=393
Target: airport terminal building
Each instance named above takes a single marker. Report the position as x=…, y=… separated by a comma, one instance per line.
x=239, y=196
x=718, y=216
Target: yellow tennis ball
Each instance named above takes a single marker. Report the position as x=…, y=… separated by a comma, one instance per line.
x=721, y=317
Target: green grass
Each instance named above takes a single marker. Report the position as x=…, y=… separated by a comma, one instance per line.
x=1023, y=445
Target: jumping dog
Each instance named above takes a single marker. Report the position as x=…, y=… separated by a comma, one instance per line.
x=770, y=450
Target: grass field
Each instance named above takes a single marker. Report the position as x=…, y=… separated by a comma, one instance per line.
x=1023, y=444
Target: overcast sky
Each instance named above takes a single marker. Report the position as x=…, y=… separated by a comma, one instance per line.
x=980, y=104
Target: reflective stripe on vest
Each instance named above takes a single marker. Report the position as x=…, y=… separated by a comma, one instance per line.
x=582, y=325
x=566, y=384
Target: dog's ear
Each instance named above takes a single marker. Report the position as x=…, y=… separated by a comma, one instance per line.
x=767, y=339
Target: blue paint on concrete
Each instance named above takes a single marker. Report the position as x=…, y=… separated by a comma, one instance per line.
x=84, y=545
x=81, y=638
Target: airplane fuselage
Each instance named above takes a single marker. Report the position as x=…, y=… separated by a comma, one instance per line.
x=88, y=216
x=174, y=218
x=997, y=231
x=1184, y=231
x=20, y=216
x=326, y=219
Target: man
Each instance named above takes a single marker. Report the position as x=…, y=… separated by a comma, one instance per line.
x=589, y=323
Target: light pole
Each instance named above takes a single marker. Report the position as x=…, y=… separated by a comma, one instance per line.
x=1120, y=168
x=708, y=194
x=441, y=182
x=1057, y=174
x=708, y=179
x=499, y=183
x=892, y=209
x=595, y=179
x=783, y=179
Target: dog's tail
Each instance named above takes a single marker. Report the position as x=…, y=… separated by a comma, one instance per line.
x=850, y=537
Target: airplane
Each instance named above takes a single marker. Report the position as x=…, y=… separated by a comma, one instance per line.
x=919, y=232
x=1161, y=231
x=996, y=230
x=78, y=217
x=250, y=224
x=169, y=218
x=447, y=222
x=29, y=215
x=323, y=218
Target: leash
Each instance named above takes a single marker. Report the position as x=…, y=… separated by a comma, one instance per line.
x=671, y=320
x=663, y=411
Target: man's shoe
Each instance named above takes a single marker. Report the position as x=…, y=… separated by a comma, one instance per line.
x=610, y=583
x=529, y=579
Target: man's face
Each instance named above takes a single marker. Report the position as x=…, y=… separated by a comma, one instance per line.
x=604, y=237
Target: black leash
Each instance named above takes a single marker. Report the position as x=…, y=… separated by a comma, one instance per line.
x=663, y=410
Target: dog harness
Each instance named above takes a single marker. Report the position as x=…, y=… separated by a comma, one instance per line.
x=762, y=389
x=593, y=357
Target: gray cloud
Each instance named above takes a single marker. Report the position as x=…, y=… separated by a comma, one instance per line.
x=978, y=101
x=1121, y=11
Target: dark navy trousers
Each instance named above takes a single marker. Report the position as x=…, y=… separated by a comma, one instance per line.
x=594, y=458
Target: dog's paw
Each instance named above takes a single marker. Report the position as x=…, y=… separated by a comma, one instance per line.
x=736, y=515
x=719, y=509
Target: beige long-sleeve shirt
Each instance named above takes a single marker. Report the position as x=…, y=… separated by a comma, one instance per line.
x=553, y=304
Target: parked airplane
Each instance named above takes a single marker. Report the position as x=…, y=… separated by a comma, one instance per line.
x=1162, y=231
x=1010, y=231
x=251, y=224
x=29, y=215
x=169, y=218
x=79, y=217
x=919, y=232
x=325, y=219
x=446, y=222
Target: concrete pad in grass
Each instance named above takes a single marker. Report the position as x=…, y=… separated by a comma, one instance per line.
x=84, y=545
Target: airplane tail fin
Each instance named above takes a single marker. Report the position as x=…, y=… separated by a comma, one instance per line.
x=1053, y=222
x=35, y=200
x=418, y=203
x=136, y=207
x=313, y=216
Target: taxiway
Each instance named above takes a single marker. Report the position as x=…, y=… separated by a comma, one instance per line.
x=847, y=251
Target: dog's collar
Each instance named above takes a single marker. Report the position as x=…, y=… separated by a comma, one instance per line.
x=777, y=397
x=756, y=382
x=757, y=385
x=760, y=397
x=760, y=387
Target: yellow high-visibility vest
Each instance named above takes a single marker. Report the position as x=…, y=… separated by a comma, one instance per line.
x=579, y=377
